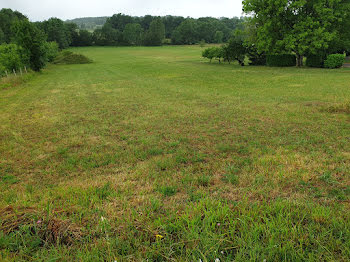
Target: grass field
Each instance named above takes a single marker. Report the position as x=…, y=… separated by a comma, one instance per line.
x=153, y=154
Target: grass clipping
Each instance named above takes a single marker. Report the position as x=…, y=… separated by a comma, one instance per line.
x=70, y=58
x=51, y=230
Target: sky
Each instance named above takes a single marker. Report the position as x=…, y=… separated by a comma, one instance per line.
x=37, y=10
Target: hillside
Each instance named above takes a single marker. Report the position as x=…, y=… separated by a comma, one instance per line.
x=89, y=23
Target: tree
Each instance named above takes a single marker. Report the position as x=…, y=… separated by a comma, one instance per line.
x=155, y=34
x=56, y=31
x=133, y=34
x=219, y=36
x=235, y=50
x=185, y=33
x=7, y=19
x=12, y=57
x=298, y=26
x=31, y=39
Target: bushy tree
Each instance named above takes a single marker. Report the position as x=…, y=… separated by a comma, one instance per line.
x=57, y=31
x=12, y=57
x=7, y=19
x=213, y=53
x=185, y=33
x=32, y=40
x=298, y=26
x=235, y=50
x=133, y=34
x=51, y=50
x=155, y=34
x=219, y=37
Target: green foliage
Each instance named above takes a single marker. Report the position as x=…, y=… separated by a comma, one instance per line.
x=7, y=19
x=133, y=34
x=235, y=50
x=334, y=61
x=185, y=33
x=300, y=27
x=56, y=31
x=51, y=50
x=155, y=34
x=213, y=53
x=255, y=57
x=281, y=60
x=29, y=37
x=315, y=61
x=69, y=58
x=219, y=37
x=12, y=57
x=82, y=38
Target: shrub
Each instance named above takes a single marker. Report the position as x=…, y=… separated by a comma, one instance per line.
x=282, y=60
x=255, y=57
x=69, y=58
x=51, y=50
x=315, y=61
x=12, y=57
x=334, y=61
x=213, y=52
x=235, y=50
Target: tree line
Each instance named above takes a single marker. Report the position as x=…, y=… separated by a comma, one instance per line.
x=33, y=44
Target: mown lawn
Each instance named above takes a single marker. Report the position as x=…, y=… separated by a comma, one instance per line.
x=154, y=153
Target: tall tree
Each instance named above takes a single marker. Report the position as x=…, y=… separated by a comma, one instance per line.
x=28, y=36
x=57, y=31
x=299, y=26
x=155, y=34
x=133, y=34
x=7, y=19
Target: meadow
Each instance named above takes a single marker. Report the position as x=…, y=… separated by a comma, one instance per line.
x=155, y=154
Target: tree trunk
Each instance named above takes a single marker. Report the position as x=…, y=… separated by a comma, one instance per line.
x=300, y=60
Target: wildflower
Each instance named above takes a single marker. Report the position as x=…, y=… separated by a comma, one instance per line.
x=159, y=237
x=217, y=260
x=39, y=222
x=218, y=224
x=103, y=219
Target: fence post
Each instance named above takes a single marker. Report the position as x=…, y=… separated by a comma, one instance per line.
x=14, y=71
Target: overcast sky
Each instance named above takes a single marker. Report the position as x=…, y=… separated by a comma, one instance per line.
x=68, y=9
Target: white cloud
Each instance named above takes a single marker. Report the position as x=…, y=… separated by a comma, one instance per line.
x=66, y=9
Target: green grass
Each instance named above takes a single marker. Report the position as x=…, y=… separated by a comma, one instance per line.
x=155, y=153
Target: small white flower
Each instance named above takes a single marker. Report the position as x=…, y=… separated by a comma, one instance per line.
x=103, y=219
x=217, y=260
x=222, y=252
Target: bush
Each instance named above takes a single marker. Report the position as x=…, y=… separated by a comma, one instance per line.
x=315, y=61
x=213, y=52
x=51, y=50
x=334, y=61
x=283, y=60
x=69, y=58
x=235, y=50
x=12, y=57
x=255, y=57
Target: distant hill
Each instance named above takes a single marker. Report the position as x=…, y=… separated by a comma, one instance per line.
x=89, y=23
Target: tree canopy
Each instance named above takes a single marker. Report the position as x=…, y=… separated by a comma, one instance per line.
x=298, y=26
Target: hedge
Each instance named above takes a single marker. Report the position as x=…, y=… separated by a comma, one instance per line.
x=334, y=61
x=315, y=61
x=281, y=60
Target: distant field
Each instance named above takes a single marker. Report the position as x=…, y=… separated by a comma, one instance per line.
x=154, y=153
